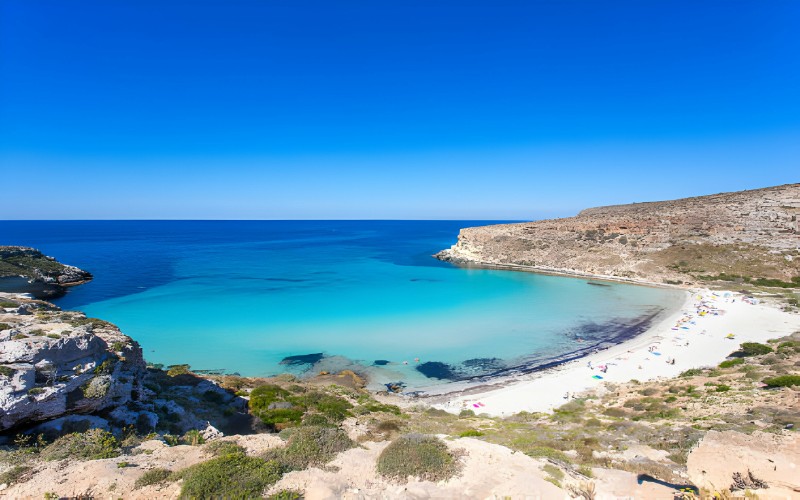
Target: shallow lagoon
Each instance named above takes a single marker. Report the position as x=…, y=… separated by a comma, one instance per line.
x=241, y=296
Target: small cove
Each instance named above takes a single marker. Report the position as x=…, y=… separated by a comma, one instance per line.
x=246, y=296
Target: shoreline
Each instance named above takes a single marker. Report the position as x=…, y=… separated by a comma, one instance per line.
x=554, y=271
x=691, y=339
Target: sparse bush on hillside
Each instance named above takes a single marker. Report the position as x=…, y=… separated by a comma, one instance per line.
x=425, y=457
x=221, y=448
x=752, y=349
x=93, y=444
x=151, y=477
x=15, y=474
x=728, y=363
x=279, y=408
x=313, y=446
x=175, y=370
x=286, y=495
x=783, y=381
x=229, y=476
x=471, y=433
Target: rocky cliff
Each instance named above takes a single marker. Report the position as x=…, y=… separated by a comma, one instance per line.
x=28, y=270
x=747, y=234
x=55, y=363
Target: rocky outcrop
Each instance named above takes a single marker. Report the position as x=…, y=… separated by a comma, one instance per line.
x=27, y=270
x=55, y=363
x=749, y=233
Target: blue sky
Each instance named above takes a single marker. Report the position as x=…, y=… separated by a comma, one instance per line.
x=413, y=109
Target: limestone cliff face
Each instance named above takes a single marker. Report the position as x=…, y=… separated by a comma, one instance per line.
x=749, y=233
x=55, y=363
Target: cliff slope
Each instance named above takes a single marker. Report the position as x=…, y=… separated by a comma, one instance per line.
x=750, y=234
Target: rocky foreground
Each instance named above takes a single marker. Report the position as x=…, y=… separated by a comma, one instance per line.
x=744, y=236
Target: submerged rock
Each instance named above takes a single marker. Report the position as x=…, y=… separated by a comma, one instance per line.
x=437, y=369
x=302, y=359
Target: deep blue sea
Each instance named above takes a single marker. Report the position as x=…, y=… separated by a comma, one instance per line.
x=241, y=296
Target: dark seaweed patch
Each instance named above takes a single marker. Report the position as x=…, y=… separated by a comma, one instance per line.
x=437, y=369
x=483, y=363
x=302, y=359
x=380, y=362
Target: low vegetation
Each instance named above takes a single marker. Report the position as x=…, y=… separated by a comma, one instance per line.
x=93, y=444
x=151, y=477
x=310, y=446
x=229, y=476
x=418, y=455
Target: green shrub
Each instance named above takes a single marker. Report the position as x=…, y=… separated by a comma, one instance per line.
x=93, y=444
x=471, y=433
x=425, y=457
x=265, y=395
x=286, y=495
x=753, y=349
x=92, y=322
x=4, y=326
x=53, y=336
x=731, y=363
x=691, y=372
x=5, y=303
x=7, y=371
x=783, y=381
x=97, y=387
x=221, y=448
x=14, y=474
x=175, y=370
x=313, y=446
x=334, y=408
x=316, y=419
x=193, y=438
x=171, y=440
x=722, y=388
x=279, y=408
x=33, y=391
x=229, y=476
x=153, y=476
x=466, y=413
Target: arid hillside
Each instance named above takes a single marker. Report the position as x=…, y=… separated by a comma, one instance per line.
x=746, y=236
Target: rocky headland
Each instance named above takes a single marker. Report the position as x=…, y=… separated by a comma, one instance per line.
x=24, y=269
x=744, y=236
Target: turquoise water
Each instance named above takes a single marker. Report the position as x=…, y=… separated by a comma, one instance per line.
x=242, y=296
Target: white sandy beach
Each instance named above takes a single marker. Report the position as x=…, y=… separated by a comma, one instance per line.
x=692, y=339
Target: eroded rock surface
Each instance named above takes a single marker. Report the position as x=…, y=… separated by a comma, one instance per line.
x=752, y=233
x=54, y=363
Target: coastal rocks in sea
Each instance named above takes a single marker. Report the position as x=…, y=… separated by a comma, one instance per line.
x=55, y=363
x=27, y=270
x=439, y=370
x=302, y=359
x=748, y=233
